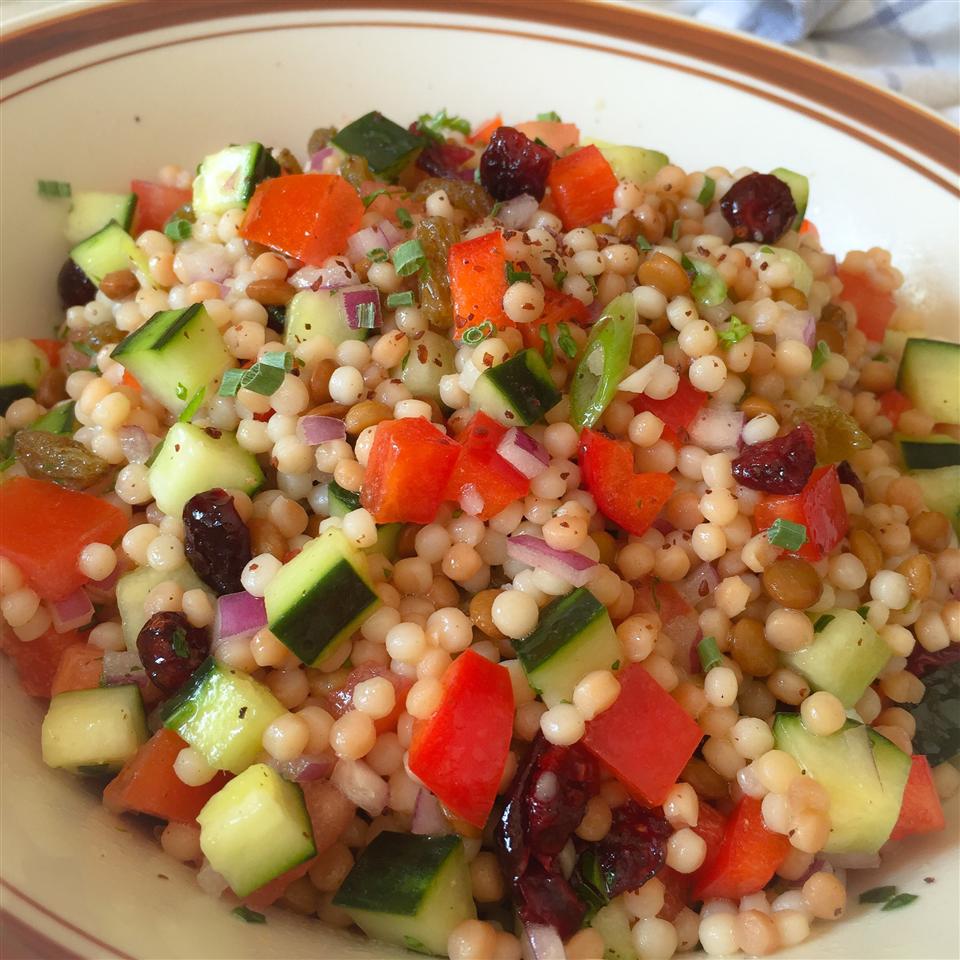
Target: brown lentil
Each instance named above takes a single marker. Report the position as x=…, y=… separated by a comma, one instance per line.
x=866, y=549
x=750, y=650
x=791, y=295
x=830, y=335
x=119, y=284
x=792, y=582
x=919, y=573
x=627, y=228
x=329, y=409
x=646, y=346
x=754, y=405
x=266, y=538
x=318, y=383
x=704, y=779
x=665, y=274
x=930, y=530
x=365, y=414
x=270, y=292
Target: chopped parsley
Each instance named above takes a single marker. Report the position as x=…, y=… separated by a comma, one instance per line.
x=432, y=125
x=516, y=276
x=402, y=299
x=643, y=244
x=548, y=354
x=193, y=406
x=54, y=188
x=558, y=277
x=181, y=391
x=877, y=894
x=734, y=332
x=551, y=116
x=705, y=196
x=250, y=916
x=565, y=341
x=709, y=654
x=900, y=900
x=263, y=377
x=179, y=643
x=408, y=258
x=821, y=353
x=787, y=534
x=823, y=622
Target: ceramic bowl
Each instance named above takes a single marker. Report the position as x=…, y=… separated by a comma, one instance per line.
x=98, y=95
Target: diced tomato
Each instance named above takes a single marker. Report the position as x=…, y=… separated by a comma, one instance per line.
x=806, y=227
x=645, y=738
x=892, y=404
x=582, y=185
x=460, y=752
x=747, y=857
x=45, y=527
x=559, y=137
x=478, y=281
x=676, y=895
x=148, y=783
x=309, y=216
x=787, y=507
x=387, y=204
x=678, y=411
x=37, y=660
x=80, y=668
x=408, y=470
x=824, y=512
x=629, y=499
x=485, y=131
x=712, y=827
x=676, y=891
x=156, y=202
x=341, y=700
x=52, y=350
x=874, y=308
x=672, y=437
x=129, y=380
x=920, y=809
x=482, y=472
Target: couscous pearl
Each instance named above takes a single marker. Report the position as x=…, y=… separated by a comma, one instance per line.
x=788, y=630
x=97, y=561
x=686, y=851
x=450, y=628
x=654, y=939
x=755, y=933
x=562, y=725
x=182, y=842
x=717, y=934
x=197, y=607
x=776, y=770
x=346, y=385
x=406, y=642
x=258, y=573
x=191, y=768
x=645, y=901
x=472, y=940
x=596, y=692
x=375, y=697
x=353, y=735
x=707, y=374
x=515, y=614
x=19, y=606
x=522, y=303
x=825, y=896
x=891, y=589
x=751, y=737
x=793, y=927
x=165, y=553
x=822, y=713
x=286, y=738
x=720, y=686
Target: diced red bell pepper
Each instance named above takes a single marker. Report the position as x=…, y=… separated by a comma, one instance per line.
x=679, y=621
x=824, y=512
x=37, y=660
x=920, y=809
x=482, y=472
x=461, y=751
x=156, y=202
x=557, y=308
x=582, y=185
x=787, y=507
x=747, y=858
x=874, y=308
x=309, y=216
x=52, y=350
x=806, y=227
x=408, y=471
x=558, y=136
x=80, y=668
x=478, y=281
x=892, y=404
x=645, y=738
x=629, y=499
x=148, y=783
x=710, y=826
x=45, y=527
x=678, y=411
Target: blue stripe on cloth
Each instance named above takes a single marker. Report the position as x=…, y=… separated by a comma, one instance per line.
x=886, y=15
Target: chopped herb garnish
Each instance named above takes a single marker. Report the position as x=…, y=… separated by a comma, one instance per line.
x=181, y=391
x=705, y=196
x=516, y=276
x=767, y=249
x=263, y=377
x=477, y=334
x=551, y=116
x=415, y=945
x=402, y=299
x=386, y=145
x=643, y=244
x=900, y=900
x=403, y=216
x=179, y=643
x=709, y=654
x=735, y=331
x=366, y=316
x=548, y=354
x=176, y=228
x=675, y=230
x=441, y=121
x=558, y=277
x=877, y=894
x=377, y=255
x=370, y=197
x=823, y=621
x=250, y=916
x=863, y=612
x=540, y=142
x=787, y=534
x=84, y=348
x=408, y=258
x=592, y=283
x=565, y=341
x=193, y=406
x=615, y=665
x=821, y=353
x=496, y=208
x=7, y=463
x=54, y=188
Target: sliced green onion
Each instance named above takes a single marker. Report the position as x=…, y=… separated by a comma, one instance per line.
x=565, y=341
x=643, y=243
x=821, y=353
x=442, y=121
x=675, y=230
x=181, y=391
x=277, y=358
x=548, y=354
x=477, y=334
x=551, y=116
x=823, y=621
x=250, y=916
x=193, y=406
x=558, y=277
x=735, y=331
x=877, y=894
x=404, y=218
x=377, y=255
x=176, y=228
x=705, y=196
x=366, y=316
x=408, y=258
x=708, y=288
x=370, y=197
x=863, y=612
x=787, y=534
x=709, y=654
x=264, y=377
x=516, y=276
x=54, y=188
x=495, y=209
x=900, y=900
x=402, y=299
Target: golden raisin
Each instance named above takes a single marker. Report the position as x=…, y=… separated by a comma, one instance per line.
x=665, y=274
x=792, y=582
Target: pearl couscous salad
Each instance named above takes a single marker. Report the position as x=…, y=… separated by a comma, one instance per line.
x=498, y=540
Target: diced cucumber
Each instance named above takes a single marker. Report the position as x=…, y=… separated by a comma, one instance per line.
x=430, y=358
x=800, y=189
x=93, y=732
x=107, y=251
x=132, y=590
x=388, y=539
x=192, y=460
x=612, y=922
x=929, y=375
x=22, y=364
x=798, y=267
x=58, y=419
x=409, y=889
x=929, y=453
x=574, y=637
x=255, y=828
x=318, y=314
x=630, y=163
x=517, y=392
x=321, y=596
x=175, y=354
x=941, y=491
x=222, y=714
x=91, y=212
x=864, y=773
x=340, y=502
x=227, y=179
x=845, y=657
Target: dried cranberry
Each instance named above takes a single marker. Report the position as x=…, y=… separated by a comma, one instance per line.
x=780, y=465
x=216, y=540
x=446, y=160
x=921, y=662
x=759, y=207
x=634, y=849
x=74, y=285
x=846, y=474
x=171, y=649
x=547, y=897
x=513, y=164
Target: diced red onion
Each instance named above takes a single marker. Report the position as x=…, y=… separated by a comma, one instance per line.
x=699, y=584
x=317, y=429
x=305, y=278
x=335, y=273
x=211, y=883
x=471, y=500
x=569, y=565
x=540, y=942
x=360, y=785
x=239, y=615
x=523, y=453
x=73, y=611
x=123, y=667
x=716, y=430
x=72, y=359
x=103, y=590
x=363, y=241
x=135, y=444
x=305, y=769
x=316, y=159
x=515, y=214
x=428, y=818
x=354, y=297
x=392, y=233
x=797, y=325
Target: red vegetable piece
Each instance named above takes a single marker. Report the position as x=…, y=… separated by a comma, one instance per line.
x=920, y=809
x=645, y=738
x=408, y=470
x=341, y=700
x=485, y=131
x=156, y=202
x=51, y=348
x=789, y=507
x=308, y=216
x=557, y=308
x=482, y=472
x=460, y=752
x=558, y=136
x=874, y=308
x=478, y=281
x=629, y=499
x=710, y=826
x=45, y=527
x=37, y=661
x=824, y=512
x=80, y=668
x=678, y=411
x=582, y=185
x=892, y=404
x=746, y=859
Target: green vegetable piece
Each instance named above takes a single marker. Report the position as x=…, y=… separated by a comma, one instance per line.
x=938, y=733
x=54, y=188
x=386, y=146
x=709, y=188
x=900, y=900
x=403, y=216
x=176, y=228
x=708, y=288
x=516, y=276
x=604, y=362
x=551, y=116
x=408, y=257
x=248, y=915
x=440, y=121
x=877, y=894
x=193, y=406
x=787, y=534
x=821, y=353
x=264, y=377
x=734, y=332
x=823, y=621
x=709, y=654
x=402, y=299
